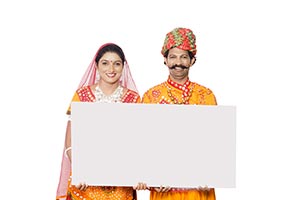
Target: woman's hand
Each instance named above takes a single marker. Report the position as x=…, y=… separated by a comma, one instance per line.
x=141, y=186
x=82, y=186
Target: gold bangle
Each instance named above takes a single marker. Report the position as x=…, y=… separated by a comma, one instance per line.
x=66, y=150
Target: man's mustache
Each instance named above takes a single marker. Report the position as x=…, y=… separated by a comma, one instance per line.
x=179, y=66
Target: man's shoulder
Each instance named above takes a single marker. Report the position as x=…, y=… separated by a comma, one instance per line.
x=156, y=87
x=201, y=88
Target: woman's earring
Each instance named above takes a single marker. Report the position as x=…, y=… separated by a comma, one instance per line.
x=97, y=76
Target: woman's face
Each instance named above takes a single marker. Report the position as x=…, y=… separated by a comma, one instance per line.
x=110, y=67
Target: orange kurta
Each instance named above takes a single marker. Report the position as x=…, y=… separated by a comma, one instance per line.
x=191, y=194
x=170, y=92
x=85, y=94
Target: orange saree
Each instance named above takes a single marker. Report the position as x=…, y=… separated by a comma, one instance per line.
x=85, y=94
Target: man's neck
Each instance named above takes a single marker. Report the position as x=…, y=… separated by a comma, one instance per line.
x=179, y=81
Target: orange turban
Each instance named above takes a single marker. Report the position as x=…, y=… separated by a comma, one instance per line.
x=181, y=38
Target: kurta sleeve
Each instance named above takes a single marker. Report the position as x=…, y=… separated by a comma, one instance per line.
x=210, y=98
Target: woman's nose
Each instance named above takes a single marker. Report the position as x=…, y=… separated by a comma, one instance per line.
x=111, y=67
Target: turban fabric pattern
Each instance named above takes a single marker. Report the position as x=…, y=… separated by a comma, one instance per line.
x=182, y=38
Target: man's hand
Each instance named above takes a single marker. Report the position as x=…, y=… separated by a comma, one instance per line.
x=162, y=189
x=141, y=186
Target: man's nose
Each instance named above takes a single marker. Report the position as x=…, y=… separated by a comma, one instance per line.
x=178, y=61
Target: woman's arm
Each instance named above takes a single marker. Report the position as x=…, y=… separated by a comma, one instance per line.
x=68, y=147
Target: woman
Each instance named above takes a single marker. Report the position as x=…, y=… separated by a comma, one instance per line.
x=107, y=79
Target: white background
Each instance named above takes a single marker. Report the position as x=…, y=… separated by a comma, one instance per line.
x=248, y=54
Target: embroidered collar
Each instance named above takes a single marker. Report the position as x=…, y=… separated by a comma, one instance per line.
x=182, y=87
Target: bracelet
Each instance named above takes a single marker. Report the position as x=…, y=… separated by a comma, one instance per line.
x=66, y=150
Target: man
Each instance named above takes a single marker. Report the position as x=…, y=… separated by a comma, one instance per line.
x=179, y=52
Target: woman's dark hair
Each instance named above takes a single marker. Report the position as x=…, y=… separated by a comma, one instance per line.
x=191, y=55
x=110, y=48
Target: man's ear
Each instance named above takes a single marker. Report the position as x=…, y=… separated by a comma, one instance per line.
x=165, y=60
x=193, y=61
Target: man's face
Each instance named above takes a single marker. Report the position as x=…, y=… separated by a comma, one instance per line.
x=179, y=62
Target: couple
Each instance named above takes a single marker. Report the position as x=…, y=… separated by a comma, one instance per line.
x=108, y=79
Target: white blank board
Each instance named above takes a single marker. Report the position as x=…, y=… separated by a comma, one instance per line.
x=180, y=146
